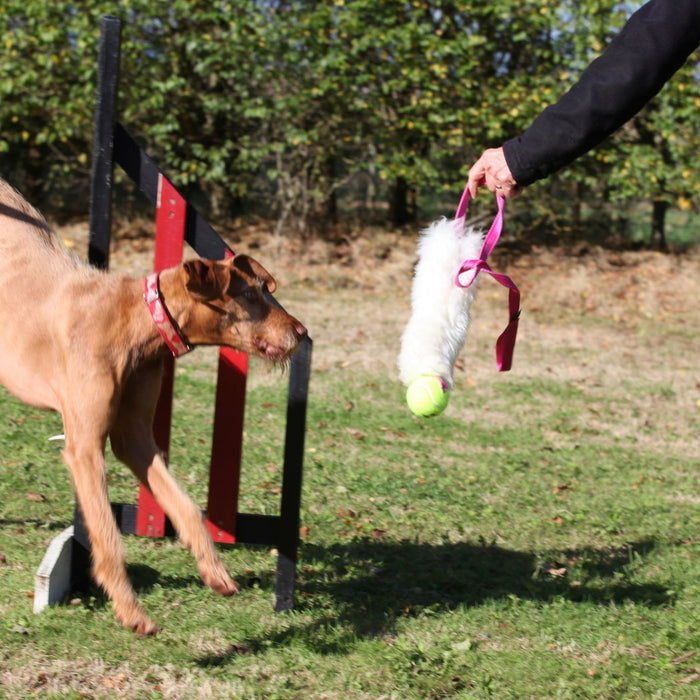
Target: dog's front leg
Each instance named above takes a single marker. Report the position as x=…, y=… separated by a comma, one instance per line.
x=132, y=442
x=187, y=519
x=84, y=456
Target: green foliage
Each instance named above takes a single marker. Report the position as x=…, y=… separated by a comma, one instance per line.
x=655, y=151
x=284, y=105
x=46, y=89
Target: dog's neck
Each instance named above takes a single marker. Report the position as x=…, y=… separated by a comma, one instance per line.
x=171, y=333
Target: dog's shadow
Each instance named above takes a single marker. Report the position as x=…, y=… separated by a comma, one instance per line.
x=370, y=585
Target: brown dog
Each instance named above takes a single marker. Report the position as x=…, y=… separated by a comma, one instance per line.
x=84, y=343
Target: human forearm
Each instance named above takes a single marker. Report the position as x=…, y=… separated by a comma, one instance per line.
x=654, y=43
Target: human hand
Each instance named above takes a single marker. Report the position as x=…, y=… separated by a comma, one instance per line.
x=492, y=170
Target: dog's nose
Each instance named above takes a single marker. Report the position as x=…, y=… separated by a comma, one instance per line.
x=300, y=330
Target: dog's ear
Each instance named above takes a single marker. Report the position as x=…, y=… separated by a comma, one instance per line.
x=252, y=268
x=206, y=279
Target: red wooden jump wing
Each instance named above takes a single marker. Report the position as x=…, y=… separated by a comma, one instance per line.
x=171, y=209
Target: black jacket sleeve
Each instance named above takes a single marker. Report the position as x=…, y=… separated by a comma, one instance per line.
x=650, y=48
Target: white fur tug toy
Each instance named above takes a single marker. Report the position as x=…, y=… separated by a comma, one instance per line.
x=441, y=297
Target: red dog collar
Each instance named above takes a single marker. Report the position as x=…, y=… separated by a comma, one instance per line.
x=166, y=326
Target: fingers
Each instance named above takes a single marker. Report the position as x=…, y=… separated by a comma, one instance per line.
x=477, y=177
x=507, y=190
x=492, y=170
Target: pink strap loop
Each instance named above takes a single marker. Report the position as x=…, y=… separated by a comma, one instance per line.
x=506, y=341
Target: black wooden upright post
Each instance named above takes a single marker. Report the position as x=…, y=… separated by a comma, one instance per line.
x=102, y=155
x=288, y=537
x=100, y=222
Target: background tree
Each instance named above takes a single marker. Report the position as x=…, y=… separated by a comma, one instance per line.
x=46, y=93
x=656, y=154
x=298, y=109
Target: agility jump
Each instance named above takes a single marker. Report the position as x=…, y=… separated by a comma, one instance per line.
x=178, y=222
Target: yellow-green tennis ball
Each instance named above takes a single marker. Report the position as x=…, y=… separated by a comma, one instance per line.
x=427, y=396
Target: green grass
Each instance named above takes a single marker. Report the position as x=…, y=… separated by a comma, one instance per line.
x=511, y=548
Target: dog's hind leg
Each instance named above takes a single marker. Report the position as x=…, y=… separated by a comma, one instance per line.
x=132, y=443
x=84, y=456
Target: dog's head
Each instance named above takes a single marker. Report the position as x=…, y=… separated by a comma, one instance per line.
x=230, y=304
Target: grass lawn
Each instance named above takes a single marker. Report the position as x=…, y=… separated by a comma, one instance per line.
x=540, y=539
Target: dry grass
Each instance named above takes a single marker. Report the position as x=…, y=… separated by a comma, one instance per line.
x=591, y=319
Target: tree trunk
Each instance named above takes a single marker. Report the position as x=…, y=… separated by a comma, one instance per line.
x=576, y=212
x=330, y=211
x=400, y=210
x=658, y=225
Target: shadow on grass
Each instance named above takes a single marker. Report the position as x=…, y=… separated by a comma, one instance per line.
x=361, y=589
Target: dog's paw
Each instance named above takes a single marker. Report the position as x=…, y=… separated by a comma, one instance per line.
x=138, y=622
x=146, y=628
x=227, y=588
x=219, y=580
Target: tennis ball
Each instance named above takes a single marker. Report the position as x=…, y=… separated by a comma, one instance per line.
x=427, y=396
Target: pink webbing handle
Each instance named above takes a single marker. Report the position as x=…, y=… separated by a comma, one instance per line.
x=506, y=341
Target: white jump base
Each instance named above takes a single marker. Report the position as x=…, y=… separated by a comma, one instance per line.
x=53, y=577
